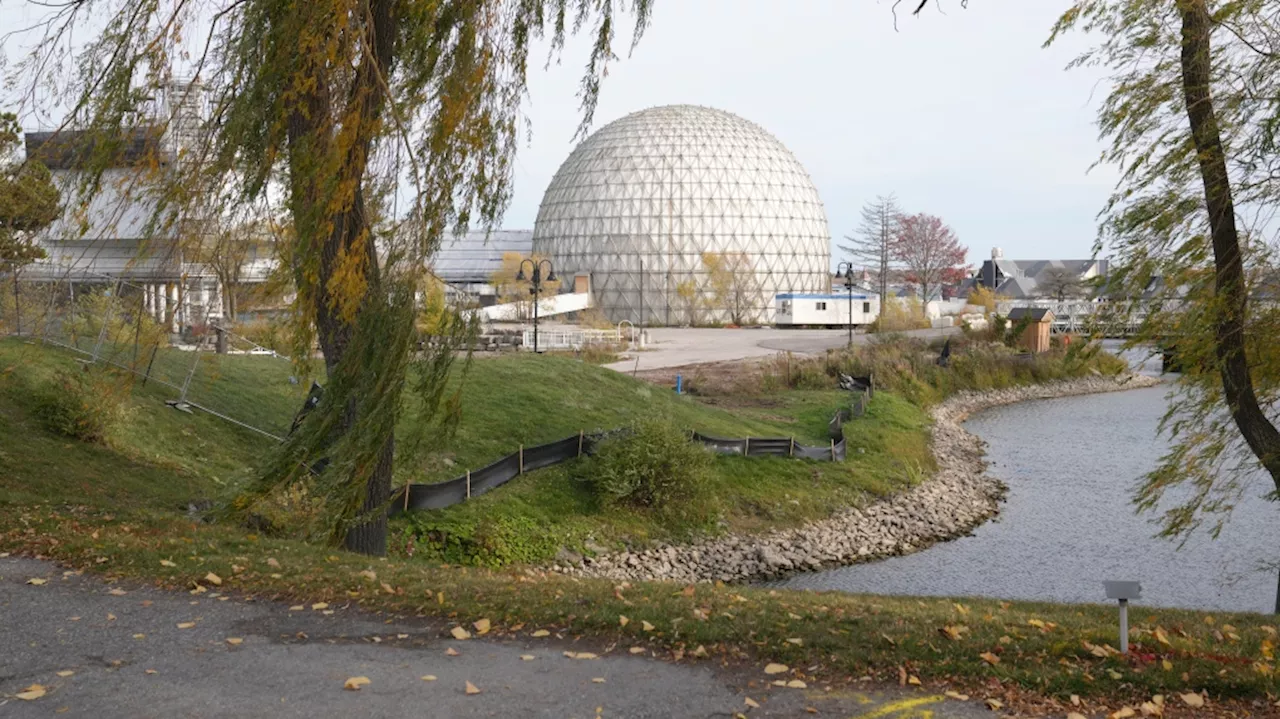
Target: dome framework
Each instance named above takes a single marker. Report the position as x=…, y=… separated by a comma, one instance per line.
x=651, y=203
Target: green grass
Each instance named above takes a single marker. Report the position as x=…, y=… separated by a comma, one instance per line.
x=117, y=509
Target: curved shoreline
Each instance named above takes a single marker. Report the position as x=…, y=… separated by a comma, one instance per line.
x=957, y=498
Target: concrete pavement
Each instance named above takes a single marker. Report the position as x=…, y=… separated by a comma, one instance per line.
x=101, y=650
x=682, y=346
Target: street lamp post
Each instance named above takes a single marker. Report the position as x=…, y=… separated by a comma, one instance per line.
x=536, y=279
x=845, y=270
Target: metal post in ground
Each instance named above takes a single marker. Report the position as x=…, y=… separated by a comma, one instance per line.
x=106, y=321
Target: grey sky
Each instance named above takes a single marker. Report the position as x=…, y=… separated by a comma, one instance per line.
x=963, y=115
x=960, y=112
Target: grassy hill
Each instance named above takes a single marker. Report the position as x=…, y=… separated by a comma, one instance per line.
x=162, y=458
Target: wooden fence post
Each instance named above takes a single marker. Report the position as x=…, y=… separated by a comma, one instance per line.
x=522, y=459
x=791, y=449
x=833, y=449
x=468, y=484
x=580, y=433
x=406, y=497
x=747, y=453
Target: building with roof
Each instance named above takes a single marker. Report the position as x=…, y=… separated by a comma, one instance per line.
x=120, y=237
x=670, y=209
x=466, y=263
x=1030, y=279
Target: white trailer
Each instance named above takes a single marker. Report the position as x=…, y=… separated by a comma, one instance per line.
x=837, y=309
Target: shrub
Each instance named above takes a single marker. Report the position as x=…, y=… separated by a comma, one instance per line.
x=85, y=405
x=897, y=315
x=652, y=465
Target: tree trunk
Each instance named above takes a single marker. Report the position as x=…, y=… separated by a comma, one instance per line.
x=1237, y=384
x=311, y=138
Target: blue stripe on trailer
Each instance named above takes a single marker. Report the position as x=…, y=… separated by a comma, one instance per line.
x=821, y=296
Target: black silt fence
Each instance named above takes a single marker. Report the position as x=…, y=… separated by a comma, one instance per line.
x=460, y=489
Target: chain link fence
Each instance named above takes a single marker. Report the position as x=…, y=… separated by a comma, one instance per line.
x=169, y=336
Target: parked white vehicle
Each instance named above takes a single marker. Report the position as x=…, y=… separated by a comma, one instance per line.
x=825, y=310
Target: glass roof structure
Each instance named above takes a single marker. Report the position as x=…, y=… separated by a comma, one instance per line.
x=474, y=257
x=650, y=202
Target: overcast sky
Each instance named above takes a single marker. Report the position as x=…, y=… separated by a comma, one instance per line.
x=960, y=112
x=963, y=115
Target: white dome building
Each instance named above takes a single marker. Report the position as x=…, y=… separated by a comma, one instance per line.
x=649, y=204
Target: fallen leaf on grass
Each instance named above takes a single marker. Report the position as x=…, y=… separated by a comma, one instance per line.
x=1193, y=700
x=957, y=695
x=451, y=652
x=459, y=633
x=429, y=678
x=953, y=632
x=213, y=579
x=296, y=608
x=1076, y=715
x=354, y=683
x=37, y=581
x=117, y=592
x=65, y=673
x=472, y=688
x=369, y=574
x=31, y=693
x=990, y=658
x=796, y=684
x=636, y=650
x=235, y=641
x=318, y=606
x=1166, y=664
x=167, y=563
x=186, y=625
x=622, y=620
x=913, y=680
x=774, y=668
x=994, y=704
x=1122, y=713
x=481, y=626
x=541, y=633
x=271, y=562
x=1151, y=709
x=751, y=703
x=796, y=641
x=1161, y=636
x=646, y=626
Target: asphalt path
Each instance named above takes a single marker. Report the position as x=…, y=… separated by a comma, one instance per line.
x=684, y=346
x=123, y=650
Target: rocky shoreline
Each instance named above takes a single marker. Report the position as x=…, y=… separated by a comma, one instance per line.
x=959, y=497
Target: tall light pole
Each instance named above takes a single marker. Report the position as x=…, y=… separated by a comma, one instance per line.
x=845, y=270
x=536, y=281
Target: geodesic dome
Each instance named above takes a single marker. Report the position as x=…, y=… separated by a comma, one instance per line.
x=650, y=203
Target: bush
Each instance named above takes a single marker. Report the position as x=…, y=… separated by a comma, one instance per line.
x=897, y=315
x=652, y=465
x=85, y=405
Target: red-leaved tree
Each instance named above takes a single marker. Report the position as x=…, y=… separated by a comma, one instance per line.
x=930, y=252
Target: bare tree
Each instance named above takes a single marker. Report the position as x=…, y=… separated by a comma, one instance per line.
x=1060, y=283
x=872, y=244
x=930, y=252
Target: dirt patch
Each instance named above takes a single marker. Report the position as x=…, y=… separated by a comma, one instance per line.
x=713, y=379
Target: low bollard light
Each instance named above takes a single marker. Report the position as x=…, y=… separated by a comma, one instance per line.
x=1123, y=592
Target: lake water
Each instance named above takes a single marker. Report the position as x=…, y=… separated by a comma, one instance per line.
x=1071, y=465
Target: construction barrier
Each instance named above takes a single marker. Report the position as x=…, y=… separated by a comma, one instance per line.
x=473, y=483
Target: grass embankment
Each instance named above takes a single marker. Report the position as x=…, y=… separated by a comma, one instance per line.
x=115, y=509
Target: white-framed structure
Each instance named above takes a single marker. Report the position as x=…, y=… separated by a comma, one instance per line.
x=640, y=201
x=826, y=309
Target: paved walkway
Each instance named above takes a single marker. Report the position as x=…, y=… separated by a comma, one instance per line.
x=682, y=346
x=124, y=651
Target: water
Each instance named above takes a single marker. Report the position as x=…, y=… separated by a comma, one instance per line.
x=1071, y=465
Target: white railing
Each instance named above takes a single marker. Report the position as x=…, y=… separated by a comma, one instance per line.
x=575, y=339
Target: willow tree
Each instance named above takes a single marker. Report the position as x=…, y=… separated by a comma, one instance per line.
x=1191, y=120
x=330, y=109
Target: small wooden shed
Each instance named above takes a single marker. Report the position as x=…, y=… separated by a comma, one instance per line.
x=1035, y=338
